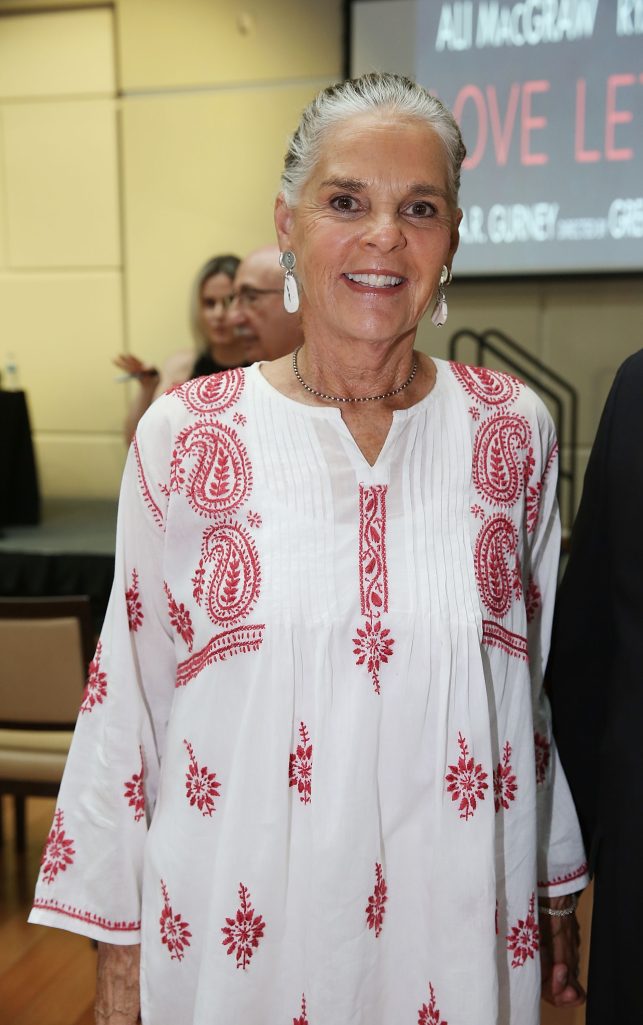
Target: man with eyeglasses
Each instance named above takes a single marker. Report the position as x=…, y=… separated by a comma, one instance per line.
x=257, y=312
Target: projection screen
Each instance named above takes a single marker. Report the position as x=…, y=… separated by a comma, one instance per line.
x=549, y=96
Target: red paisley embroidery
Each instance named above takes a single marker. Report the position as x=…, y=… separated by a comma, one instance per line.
x=232, y=564
x=213, y=394
x=489, y=387
x=495, y=563
x=220, y=477
x=500, y=456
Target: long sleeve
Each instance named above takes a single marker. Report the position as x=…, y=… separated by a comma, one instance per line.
x=90, y=878
x=562, y=866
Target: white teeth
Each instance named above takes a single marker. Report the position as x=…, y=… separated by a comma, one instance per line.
x=375, y=280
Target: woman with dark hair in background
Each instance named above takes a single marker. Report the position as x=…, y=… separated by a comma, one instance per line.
x=217, y=347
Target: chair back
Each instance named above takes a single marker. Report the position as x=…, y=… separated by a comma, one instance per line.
x=45, y=647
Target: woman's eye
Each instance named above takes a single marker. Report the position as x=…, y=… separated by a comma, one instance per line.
x=421, y=209
x=346, y=204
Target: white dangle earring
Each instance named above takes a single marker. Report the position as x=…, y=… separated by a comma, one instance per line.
x=287, y=261
x=441, y=310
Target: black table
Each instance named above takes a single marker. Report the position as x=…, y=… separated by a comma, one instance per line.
x=19, y=492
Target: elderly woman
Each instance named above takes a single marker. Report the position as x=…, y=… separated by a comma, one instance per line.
x=313, y=773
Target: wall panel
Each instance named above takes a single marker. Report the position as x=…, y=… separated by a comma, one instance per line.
x=55, y=54
x=64, y=330
x=214, y=42
x=61, y=184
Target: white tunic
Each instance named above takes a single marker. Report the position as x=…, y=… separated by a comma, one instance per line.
x=313, y=771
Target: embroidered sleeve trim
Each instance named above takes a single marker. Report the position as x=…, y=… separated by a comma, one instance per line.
x=85, y=916
x=569, y=878
x=222, y=646
x=144, y=486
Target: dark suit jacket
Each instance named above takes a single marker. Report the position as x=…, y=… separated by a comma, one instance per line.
x=595, y=678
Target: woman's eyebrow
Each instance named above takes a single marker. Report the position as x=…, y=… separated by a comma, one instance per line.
x=346, y=184
x=424, y=189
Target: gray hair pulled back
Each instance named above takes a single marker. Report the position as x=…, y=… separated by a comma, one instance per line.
x=376, y=92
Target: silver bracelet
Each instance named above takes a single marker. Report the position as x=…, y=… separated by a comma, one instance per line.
x=560, y=912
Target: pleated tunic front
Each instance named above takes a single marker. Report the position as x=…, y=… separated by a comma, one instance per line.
x=313, y=771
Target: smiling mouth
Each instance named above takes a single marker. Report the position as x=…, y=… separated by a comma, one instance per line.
x=375, y=280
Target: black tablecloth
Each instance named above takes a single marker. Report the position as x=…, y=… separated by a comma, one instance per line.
x=19, y=493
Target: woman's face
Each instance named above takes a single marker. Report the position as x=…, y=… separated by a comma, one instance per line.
x=372, y=229
x=214, y=309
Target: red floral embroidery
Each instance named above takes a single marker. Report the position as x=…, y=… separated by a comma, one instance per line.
x=429, y=1014
x=477, y=511
x=133, y=602
x=175, y=933
x=202, y=787
x=241, y=419
x=533, y=600
x=466, y=781
x=489, y=387
x=214, y=393
x=96, y=686
x=373, y=645
x=254, y=519
x=474, y=412
x=300, y=768
x=230, y=558
x=59, y=850
x=524, y=938
x=504, y=781
x=243, y=932
x=219, y=648
x=135, y=792
x=500, y=451
x=376, y=908
x=542, y=749
x=496, y=564
x=302, y=1019
x=180, y=618
x=220, y=476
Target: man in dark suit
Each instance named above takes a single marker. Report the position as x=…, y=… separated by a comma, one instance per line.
x=596, y=688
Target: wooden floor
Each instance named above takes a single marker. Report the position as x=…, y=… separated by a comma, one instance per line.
x=47, y=975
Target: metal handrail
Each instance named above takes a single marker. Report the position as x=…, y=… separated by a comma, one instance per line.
x=544, y=380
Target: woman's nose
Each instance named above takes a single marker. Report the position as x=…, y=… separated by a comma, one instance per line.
x=384, y=233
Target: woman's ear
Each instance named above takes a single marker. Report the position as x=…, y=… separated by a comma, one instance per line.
x=283, y=222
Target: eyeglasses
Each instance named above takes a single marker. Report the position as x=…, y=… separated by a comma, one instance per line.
x=248, y=296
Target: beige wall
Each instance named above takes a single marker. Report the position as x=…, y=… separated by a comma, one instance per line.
x=140, y=137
